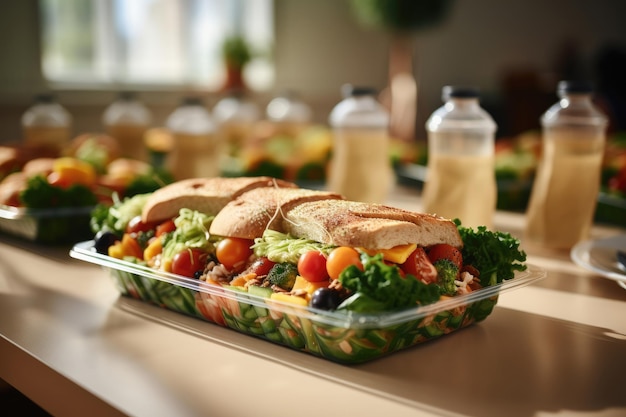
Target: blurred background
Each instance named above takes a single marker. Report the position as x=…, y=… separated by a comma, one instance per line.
x=515, y=52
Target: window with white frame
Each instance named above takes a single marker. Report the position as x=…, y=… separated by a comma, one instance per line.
x=154, y=42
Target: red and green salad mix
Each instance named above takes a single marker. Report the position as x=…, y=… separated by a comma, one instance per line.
x=304, y=272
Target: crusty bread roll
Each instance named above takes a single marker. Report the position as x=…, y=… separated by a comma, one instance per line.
x=254, y=211
x=370, y=226
x=207, y=195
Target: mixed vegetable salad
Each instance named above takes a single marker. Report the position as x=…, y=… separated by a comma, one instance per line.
x=305, y=272
x=294, y=292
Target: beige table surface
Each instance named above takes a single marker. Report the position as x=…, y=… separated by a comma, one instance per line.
x=71, y=344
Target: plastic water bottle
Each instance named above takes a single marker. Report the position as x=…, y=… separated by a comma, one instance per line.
x=235, y=116
x=196, y=150
x=360, y=167
x=289, y=114
x=47, y=124
x=461, y=179
x=565, y=191
x=127, y=119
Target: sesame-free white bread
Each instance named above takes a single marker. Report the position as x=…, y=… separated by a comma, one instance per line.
x=370, y=226
x=207, y=195
x=254, y=211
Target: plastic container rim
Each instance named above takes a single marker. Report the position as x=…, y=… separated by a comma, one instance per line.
x=85, y=251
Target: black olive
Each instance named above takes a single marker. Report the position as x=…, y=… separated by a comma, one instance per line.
x=326, y=298
x=104, y=240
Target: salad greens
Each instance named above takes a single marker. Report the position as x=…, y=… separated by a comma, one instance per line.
x=495, y=254
x=281, y=247
x=380, y=287
x=192, y=231
x=116, y=217
x=40, y=194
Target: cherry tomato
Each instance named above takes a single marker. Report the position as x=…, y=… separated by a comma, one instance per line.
x=136, y=225
x=233, y=252
x=312, y=266
x=188, y=261
x=261, y=266
x=445, y=251
x=418, y=265
x=165, y=227
x=340, y=258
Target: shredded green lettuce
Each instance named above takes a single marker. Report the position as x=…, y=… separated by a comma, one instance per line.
x=281, y=247
x=116, y=217
x=192, y=231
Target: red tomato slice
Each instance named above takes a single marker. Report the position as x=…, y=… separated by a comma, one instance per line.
x=261, y=266
x=418, y=265
x=136, y=225
x=445, y=251
x=312, y=266
x=165, y=227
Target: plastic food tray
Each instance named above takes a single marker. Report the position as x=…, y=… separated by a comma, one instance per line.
x=56, y=226
x=343, y=337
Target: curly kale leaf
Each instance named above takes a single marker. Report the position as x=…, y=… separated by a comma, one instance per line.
x=496, y=255
x=380, y=287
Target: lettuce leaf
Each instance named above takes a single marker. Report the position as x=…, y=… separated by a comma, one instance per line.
x=495, y=254
x=380, y=287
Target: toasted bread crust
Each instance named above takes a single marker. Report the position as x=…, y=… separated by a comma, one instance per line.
x=254, y=211
x=370, y=226
x=207, y=195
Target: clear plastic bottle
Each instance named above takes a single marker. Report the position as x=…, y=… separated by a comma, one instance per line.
x=289, y=114
x=236, y=117
x=47, y=124
x=127, y=119
x=360, y=167
x=565, y=191
x=196, y=150
x=461, y=179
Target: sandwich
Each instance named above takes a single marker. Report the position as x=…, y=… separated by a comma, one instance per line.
x=314, y=242
x=315, y=249
x=206, y=195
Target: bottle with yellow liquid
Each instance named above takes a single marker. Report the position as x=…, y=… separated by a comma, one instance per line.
x=461, y=181
x=47, y=124
x=289, y=114
x=196, y=149
x=360, y=168
x=565, y=191
x=127, y=119
x=235, y=116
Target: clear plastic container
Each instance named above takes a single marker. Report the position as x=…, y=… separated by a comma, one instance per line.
x=565, y=191
x=47, y=124
x=196, y=149
x=348, y=338
x=235, y=116
x=360, y=167
x=461, y=180
x=289, y=114
x=127, y=119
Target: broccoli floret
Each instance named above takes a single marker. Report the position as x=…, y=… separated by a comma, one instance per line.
x=41, y=194
x=447, y=272
x=283, y=275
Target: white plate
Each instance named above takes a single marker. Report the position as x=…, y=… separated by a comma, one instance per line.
x=600, y=256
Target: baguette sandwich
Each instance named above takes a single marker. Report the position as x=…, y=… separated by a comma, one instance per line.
x=207, y=195
x=314, y=248
x=302, y=242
